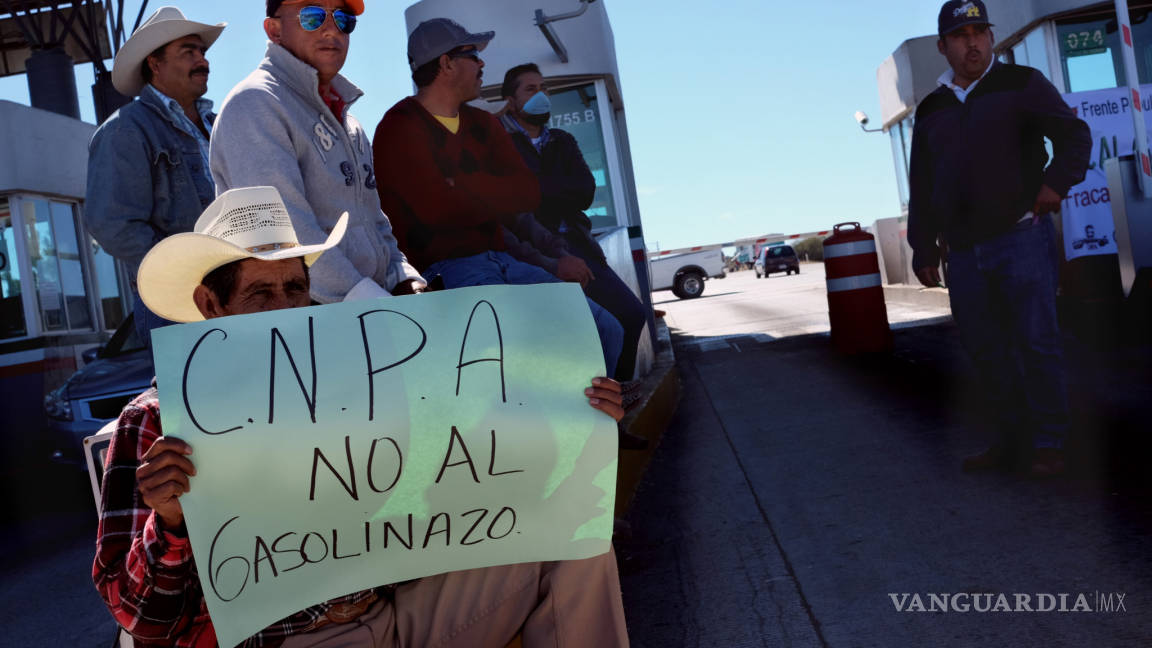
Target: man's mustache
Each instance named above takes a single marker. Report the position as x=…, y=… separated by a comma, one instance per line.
x=202, y=69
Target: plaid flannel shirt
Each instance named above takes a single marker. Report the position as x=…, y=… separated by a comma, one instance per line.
x=146, y=574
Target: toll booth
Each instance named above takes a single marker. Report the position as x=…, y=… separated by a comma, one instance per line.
x=60, y=293
x=1076, y=44
x=572, y=43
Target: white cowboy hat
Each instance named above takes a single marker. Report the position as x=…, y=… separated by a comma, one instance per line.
x=161, y=28
x=248, y=223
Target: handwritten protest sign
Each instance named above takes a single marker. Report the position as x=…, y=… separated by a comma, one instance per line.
x=346, y=446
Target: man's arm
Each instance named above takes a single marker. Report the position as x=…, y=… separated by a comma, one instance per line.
x=1071, y=139
x=252, y=146
x=143, y=568
x=531, y=242
x=573, y=187
x=118, y=199
x=407, y=172
x=923, y=228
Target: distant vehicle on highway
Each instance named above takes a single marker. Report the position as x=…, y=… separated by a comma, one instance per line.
x=685, y=273
x=776, y=258
x=114, y=374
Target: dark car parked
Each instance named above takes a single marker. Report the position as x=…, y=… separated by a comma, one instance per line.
x=114, y=374
x=777, y=258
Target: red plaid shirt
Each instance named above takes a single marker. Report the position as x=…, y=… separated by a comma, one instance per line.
x=146, y=574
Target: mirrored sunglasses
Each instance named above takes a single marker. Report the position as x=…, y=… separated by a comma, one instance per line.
x=473, y=54
x=313, y=17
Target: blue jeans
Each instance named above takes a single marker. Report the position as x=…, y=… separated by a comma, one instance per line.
x=1003, y=294
x=497, y=268
x=610, y=291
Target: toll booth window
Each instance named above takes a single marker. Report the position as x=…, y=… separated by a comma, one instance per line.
x=901, y=140
x=575, y=110
x=12, y=322
x=1033, y=52
x=110, y=296
x=57, y=269
x=1090, y=51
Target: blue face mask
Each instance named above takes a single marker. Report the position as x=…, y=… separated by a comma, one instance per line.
x=537, y=110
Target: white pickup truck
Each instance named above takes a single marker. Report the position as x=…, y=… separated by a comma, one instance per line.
x=685, y=273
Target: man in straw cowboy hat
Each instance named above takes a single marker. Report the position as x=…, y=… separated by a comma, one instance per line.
x=148, y=174
x=287, y=124
x=244, y=257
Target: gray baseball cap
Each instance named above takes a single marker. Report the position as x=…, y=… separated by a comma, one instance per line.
x=437, y=36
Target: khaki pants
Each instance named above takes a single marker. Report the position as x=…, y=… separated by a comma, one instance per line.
x=569, y=603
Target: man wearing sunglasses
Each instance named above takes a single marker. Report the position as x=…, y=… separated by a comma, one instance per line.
x=287, y=125
x=451, y=177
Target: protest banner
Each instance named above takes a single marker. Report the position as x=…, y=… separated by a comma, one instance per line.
x=1087, y=210
x=351, y=445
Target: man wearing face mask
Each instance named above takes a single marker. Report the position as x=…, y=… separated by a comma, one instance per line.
x=287, y=125
x=451, y=178
x=558, y=235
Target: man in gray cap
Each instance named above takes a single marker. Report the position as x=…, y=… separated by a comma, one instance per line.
x=980, y=180
x=450, y=176
x=148, y=174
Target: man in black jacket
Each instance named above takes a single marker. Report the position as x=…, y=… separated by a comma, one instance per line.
x=979, y=186
x=558, y=237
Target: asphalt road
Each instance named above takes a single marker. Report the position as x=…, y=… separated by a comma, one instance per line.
x=771, y=307
x=802, y=498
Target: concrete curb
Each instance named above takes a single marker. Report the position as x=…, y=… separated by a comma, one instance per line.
x=917, y=295
x=660, y=393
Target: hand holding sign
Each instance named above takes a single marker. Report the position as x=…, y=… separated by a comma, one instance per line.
x=163, y=477
x=395, y=439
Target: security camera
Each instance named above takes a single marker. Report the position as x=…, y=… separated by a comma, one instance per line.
x=861, y=117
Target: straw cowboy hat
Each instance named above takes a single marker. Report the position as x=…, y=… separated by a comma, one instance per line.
x=248, y=223
x=161, y=28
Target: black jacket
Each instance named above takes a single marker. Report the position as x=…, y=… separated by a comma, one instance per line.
x=566, y=187
x=977, y=166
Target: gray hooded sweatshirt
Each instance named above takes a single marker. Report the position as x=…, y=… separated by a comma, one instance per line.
x=274, y=129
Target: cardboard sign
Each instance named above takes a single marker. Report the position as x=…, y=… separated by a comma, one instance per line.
x=347, y=446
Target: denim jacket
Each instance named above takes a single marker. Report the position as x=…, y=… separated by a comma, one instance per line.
x=146, y=180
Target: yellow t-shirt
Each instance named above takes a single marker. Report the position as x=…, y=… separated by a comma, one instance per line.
x=451, y=123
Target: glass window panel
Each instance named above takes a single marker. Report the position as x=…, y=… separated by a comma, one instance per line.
x=108, y=286
x=1019, y=55
x=906, y=137
x=12, y=322
x=575, y=110
x=1091, y=72
x=900, y=161
x=45, y=267
x=1090, y=54
x=71, y=268
x=1037, y=52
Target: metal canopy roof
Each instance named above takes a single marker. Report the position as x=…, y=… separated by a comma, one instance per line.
x=46, y=22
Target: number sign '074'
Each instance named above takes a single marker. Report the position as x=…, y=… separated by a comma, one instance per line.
x=347, y=446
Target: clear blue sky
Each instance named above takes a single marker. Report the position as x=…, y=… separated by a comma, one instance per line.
x=739, y=112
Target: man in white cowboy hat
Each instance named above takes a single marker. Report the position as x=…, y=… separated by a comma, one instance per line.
x=244, y=257
x=287, y=125
x=148, y=174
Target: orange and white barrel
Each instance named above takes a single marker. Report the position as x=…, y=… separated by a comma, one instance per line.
x=856, y=307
